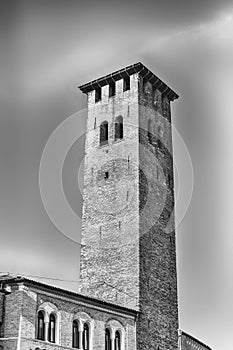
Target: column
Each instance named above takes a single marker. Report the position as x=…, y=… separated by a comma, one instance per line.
x=112, y=337
x=80, y=333
x=46, y=330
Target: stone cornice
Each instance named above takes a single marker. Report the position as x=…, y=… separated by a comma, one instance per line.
x=143, y=71
x=72, y=296
x=194, y=340
x=86, y=304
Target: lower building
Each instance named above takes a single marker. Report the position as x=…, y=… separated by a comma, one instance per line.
x=187, y=342
x=37, y=316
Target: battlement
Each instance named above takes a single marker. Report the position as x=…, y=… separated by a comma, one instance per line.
x=126, y=72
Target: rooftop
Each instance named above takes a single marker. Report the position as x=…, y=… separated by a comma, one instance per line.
x=9, y=279
x=127, y=71
x=194, y=340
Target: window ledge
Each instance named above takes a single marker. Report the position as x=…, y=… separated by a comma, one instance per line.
x=118, y=140
x=104, y=144
x=46, y=342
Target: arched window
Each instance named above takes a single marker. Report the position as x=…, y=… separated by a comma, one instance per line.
x=117, y=341
x=104, y=132
x=119, y=128
x=40, y=326
x=85, y=336
x=52, y=326
x=107, y=340
x=126, y=83
x=97, y=94
x=112, y=89
x=75, y=337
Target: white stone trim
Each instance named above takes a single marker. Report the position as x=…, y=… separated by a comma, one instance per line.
x=81, y=318
x=9, y=338
x=113, y=330
x=48, y=308
x=86, y=304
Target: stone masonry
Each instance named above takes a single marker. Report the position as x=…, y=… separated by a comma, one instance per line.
x=26, y=297
x=128, y=251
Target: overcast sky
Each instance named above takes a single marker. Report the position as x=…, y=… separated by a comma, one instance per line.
x=48, y=48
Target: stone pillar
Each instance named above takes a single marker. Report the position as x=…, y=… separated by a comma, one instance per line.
x=112, y=337
x=80, y=332
x=91, y=329
x=46, y=330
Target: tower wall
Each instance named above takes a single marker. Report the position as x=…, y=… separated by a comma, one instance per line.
x=158, y=321
x=128, y=234
x=110, y=223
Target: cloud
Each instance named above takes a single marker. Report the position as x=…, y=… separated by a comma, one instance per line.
x=217, y=33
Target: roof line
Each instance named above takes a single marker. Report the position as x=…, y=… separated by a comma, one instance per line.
x=83, y=298
x=123, y=73
x=195, y=339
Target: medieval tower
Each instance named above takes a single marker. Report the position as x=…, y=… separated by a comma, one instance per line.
x=128, y=254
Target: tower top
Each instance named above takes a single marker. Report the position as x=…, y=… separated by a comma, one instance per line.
x=143, y=71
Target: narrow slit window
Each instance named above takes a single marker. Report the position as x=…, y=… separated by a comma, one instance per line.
x=104, y=133
x=117, y=341
x=106, y=175
x=97, y=94
x=160, y=137
x=126, y=83
x=112, y=89
x=85, y=337
x=108, y=342
x=52, y=324
x=75, y=342
x=40, y=326
x=119, y=128
x=149, y=131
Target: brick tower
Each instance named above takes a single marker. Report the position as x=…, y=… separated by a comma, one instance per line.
x=128, y=254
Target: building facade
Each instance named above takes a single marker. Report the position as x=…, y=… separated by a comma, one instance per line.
x=128, y=282
x=37, y=316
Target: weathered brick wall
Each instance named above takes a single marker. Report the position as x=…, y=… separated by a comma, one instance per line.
x=10, y=344
x=29, y=310
x=31, y=300
x=2, y=296
x=110, y=223
x=68, y=309
x=158, y=321
x=32, y=344
x=134, y=248
x=12, y=312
